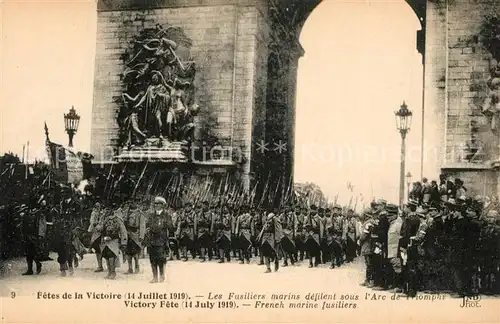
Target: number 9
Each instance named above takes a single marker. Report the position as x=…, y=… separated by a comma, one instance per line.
x=12, y=294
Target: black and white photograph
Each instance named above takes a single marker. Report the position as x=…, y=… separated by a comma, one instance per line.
x=250, y=161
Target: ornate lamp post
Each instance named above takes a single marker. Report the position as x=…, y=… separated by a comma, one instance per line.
x=408, y=183
x=71, y=121
x=403, y=124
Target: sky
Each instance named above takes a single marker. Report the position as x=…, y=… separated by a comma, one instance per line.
x=360, y=64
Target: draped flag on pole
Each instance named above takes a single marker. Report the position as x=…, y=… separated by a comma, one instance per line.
x=66, y=165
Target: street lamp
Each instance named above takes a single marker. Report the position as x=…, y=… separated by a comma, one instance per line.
x=71, y=121
x=403, y=124
x=408, y=183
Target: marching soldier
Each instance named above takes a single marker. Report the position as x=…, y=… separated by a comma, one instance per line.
x=259, y=220
x=269, y=238
x=222, y=229
x=333, y=231
x=314, y=227
x=299, y=237
x=202, y=222
x=349, y=235
x=135, y=223
x=95, y=228
x=114, y=240
x=185, y=231
x=34, y=227
x=157, y=238
x=64, y=229
x=245, y=231
x=289, y=226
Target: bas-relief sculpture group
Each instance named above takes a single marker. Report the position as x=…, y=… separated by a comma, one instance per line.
x=158, y=103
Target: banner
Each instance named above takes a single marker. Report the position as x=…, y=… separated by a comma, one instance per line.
x=66, y=165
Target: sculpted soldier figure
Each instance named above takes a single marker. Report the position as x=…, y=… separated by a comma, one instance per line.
x=135, y=223
x=114, y=239
x=95, y=228
x=157, y=238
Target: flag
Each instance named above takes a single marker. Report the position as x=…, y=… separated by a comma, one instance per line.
x=66, y=165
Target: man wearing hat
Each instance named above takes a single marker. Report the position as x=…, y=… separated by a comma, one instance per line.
x=367, y=243
x=114, y=236
x=135, y=223
x=185, y=231
x=333, y=225
x=289, y=225
x=245, y=230
x=202, y=221
x=349, y=236
x=314, y=227
x=269, y=238
x=158, y=226
x=222, y=228
x=34, y=227
x=299, y=237
x=95, y=228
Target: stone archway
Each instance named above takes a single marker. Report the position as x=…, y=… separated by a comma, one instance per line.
x=247, y=53
x=286, y=19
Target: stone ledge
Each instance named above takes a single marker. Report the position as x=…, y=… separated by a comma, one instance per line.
x=467, y=166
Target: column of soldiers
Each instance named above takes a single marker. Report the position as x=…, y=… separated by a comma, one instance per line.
x=408, y=249
x=221, y=232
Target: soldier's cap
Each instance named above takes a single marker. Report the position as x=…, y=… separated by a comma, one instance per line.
x=337, y=207
x=205, y=203
x=313, y=207
x=392, y=208
x=451, y=202
x=327, y=210
x=160, y=200
x=321, y=210
x=368, y=212
x=492, y=213
x=381, y=202
x=412, y=202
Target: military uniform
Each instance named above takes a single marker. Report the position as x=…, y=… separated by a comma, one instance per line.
x=333, y=234
x=245, y=231
x=289, y=225
x=158, y=226
x=95, y=228
x=222, y=229
x=64, y=226
x=202, y=222
x=270, y=238
x=114, y=239
x=185, y=232
x=314, y=236
x=34, y=226
x=300, y=233
x=135, y=223
x=350, y=236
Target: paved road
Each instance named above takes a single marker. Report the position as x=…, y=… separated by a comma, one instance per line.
x=339, y=297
